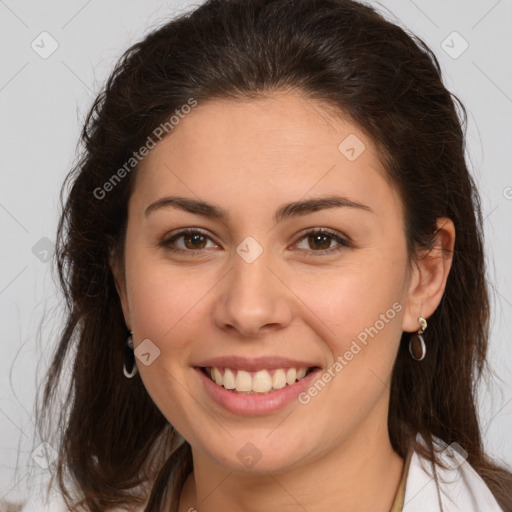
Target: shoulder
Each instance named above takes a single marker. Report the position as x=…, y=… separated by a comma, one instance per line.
x=458, y=488
x=41, y=499
x=10, y=506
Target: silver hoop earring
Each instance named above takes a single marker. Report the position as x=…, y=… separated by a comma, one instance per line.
x=128, y=354
x=417, y=347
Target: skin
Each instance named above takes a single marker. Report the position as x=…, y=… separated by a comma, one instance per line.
x=250, y=157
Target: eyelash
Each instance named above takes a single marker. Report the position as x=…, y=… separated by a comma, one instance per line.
x=324, y=231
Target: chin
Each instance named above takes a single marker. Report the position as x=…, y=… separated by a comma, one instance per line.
x=258, y=454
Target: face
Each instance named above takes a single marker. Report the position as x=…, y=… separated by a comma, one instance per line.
x=261, y=288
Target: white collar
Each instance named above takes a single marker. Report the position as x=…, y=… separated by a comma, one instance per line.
x=459, y=488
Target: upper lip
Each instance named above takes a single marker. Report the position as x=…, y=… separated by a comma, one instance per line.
x=255, y=364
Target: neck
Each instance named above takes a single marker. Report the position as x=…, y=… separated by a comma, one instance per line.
x=362, y=473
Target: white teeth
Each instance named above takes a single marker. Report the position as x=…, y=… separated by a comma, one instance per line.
x=279, y=379
x=217, y=376
x=291, y=376
x=301, y=373
x=262, y=381
x=243, y=381
x=229, y=379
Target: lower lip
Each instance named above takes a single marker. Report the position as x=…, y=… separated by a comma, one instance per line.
x=255, y=404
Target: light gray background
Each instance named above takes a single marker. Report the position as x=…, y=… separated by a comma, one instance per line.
x=43, y=103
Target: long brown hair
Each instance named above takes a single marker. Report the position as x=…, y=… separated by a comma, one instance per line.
x=116, y=449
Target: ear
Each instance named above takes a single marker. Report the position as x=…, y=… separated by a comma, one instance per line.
x=120, y=282
x=428, y=277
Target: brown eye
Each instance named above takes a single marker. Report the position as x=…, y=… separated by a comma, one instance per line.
x=320, y=241
x=195, y=241
x=187, y=241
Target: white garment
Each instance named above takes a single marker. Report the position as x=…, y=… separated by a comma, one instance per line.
x=461, y=489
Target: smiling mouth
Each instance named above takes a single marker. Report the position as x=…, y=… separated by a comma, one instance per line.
x=259, y=382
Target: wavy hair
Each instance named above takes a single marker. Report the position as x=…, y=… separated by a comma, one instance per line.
x=116, y=449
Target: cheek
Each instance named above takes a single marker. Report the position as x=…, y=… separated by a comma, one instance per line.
x=163, y=297
x=361, y=318
x=351, y=298
x=166, y=307
x=358, y=310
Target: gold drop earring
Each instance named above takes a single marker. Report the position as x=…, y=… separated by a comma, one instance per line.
x=417, y=346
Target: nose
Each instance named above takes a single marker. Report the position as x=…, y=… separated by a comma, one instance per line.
x=253, y=299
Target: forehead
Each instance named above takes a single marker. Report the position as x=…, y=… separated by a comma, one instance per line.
x=256, y=152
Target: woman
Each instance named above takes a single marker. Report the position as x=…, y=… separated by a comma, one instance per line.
x=272, y=256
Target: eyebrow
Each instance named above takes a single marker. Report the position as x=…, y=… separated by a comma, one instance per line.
x=295, y=209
